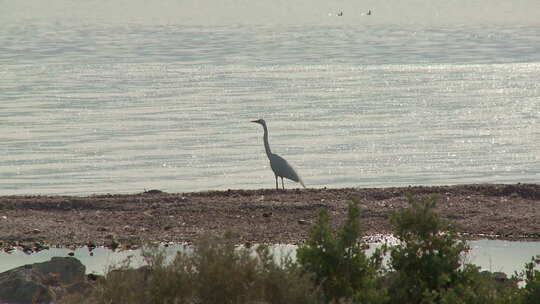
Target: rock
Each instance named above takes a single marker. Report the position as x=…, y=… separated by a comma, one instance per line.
x=302, y=222
x=43, y=282
x=91, y=246
x=153, y=191
x=93, y=277
x=26, y=249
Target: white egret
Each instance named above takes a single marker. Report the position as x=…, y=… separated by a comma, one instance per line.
x=278, y=164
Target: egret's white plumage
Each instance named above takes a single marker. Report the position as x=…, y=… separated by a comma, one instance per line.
x=278, y=164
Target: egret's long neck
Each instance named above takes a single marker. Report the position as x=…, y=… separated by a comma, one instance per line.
x=266, y=144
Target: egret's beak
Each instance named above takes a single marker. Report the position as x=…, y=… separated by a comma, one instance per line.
x=255, y=121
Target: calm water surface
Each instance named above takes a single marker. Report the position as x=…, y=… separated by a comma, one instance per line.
x=96, y=107
x=491, y=255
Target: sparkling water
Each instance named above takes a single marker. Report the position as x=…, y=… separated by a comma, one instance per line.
x=117, y=97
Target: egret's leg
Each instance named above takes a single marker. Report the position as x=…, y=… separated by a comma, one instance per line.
x=282, y=185
x=277, y=185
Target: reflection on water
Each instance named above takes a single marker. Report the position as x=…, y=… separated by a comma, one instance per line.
x=117, y=128
x=98, y=100
x=492, y=255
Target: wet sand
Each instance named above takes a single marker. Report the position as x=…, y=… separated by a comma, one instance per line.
x=510, y=212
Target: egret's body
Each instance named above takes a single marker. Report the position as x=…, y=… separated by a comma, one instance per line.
x=278, y=164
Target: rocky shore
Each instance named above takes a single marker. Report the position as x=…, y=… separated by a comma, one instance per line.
x=506, y=211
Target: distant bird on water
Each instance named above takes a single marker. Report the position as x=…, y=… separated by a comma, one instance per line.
x=278, y=164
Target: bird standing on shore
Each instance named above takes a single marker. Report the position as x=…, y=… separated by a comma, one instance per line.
x=278, y=164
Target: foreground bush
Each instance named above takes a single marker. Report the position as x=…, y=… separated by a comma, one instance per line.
x=426, y=267
x=338, y=261
x=215, y=272
x=530, y=294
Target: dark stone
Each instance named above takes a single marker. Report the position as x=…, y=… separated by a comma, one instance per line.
x=45, y=282
x=93, y=277
x=153, y=191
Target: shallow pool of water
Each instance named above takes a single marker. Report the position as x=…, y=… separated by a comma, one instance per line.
x=492, y=255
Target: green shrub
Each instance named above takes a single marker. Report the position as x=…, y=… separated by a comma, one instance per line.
x=530, y=294
x=285, y=282
x=427, y=265
x=216, y=271
x=338, y=261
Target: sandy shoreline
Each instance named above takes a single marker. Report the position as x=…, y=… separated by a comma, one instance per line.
x=507, y=211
